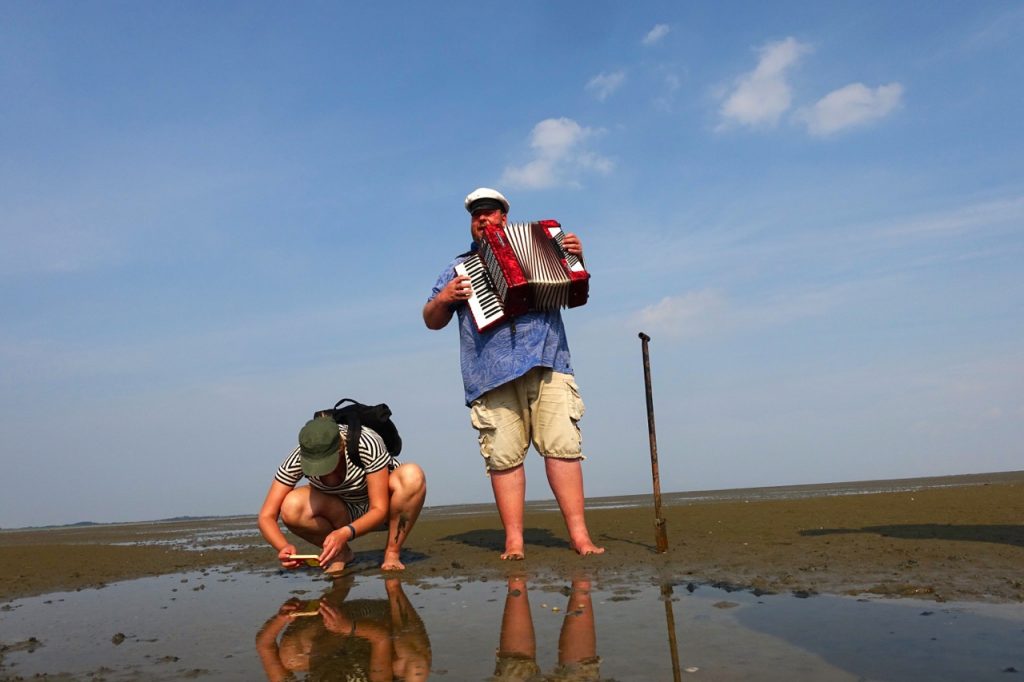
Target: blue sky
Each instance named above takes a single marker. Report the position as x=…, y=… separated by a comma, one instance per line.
x=218, y=218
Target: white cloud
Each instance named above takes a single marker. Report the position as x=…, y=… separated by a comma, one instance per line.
x=691, y=314
x=555, y=136
x=672, y=83
x=999, y=29
x=707, y=312
x=987, y=216
x=761, y=96
x=595, y=162
x=656, y=34
x=604, y=84
x=560, y=154
x=850, y=106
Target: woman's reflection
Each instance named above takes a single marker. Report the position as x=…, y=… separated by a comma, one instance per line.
x=335, y=638
x=577, y=642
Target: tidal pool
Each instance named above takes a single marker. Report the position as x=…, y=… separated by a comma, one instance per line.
x=227, y=625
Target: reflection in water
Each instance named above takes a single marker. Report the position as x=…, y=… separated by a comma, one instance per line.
x=577, y=641
x=334, y=639
x=670, y=624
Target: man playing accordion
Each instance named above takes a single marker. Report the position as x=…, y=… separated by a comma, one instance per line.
x=520, y=389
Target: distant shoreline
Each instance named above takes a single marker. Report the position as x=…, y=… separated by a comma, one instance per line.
x=793, y=491
x=942, y=538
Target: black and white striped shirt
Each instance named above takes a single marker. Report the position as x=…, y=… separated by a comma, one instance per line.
x=372, y=451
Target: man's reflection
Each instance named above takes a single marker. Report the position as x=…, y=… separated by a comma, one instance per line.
x=335, y=638
x=577, y=642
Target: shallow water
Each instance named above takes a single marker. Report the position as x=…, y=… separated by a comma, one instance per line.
x=227, y=625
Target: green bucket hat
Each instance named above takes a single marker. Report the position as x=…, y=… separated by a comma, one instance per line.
x=319, y=445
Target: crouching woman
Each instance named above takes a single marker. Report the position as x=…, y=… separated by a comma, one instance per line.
x=344, y=498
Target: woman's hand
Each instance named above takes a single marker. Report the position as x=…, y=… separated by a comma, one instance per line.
x=334, y=545
x=335, y=620
x=290, y=607
x=283, y=555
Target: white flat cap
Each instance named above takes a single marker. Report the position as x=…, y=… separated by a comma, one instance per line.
x=485, y=197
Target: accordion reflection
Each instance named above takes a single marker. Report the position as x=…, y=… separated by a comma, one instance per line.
x=522, y=267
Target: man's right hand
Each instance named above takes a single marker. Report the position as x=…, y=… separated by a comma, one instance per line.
x=456, y=291
x=437, y=313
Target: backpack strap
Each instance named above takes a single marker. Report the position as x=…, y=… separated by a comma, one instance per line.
x=355, y=429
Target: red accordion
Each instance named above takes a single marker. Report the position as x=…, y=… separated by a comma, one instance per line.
x=522, y=267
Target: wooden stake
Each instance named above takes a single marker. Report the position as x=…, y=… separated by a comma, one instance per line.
x=659, y=523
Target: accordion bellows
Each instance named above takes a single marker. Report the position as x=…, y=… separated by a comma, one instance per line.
x=522, y=267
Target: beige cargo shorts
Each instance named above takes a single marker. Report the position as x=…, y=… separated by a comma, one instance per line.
x=542, y=407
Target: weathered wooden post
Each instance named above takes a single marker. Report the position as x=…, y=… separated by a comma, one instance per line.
x=659, y=523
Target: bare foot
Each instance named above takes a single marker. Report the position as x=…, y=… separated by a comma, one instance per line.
x=587, y=548
x=513, y=555
x=392, y=562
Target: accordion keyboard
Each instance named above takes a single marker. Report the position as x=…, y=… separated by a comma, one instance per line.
x=484, y=304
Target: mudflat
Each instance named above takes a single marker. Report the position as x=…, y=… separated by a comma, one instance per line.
x=953, y=538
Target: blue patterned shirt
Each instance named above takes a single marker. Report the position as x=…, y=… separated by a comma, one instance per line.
x=506, y=351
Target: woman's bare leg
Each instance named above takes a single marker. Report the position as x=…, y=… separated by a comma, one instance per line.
x=312, y=515
x=407, y=487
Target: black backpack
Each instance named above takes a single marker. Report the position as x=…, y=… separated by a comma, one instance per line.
x=354, y=416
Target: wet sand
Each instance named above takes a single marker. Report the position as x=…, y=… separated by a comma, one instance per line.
x=956, y=538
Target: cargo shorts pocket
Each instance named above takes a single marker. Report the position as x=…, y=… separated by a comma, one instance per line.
x=576, y=406
x=576, y=410
x=558, y=411
x=500, y=431
x=481, y=420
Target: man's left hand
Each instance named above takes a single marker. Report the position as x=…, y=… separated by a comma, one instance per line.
x=572, y=244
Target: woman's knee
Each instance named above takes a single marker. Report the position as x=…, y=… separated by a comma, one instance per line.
x=295, y=506
x=408, y=479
